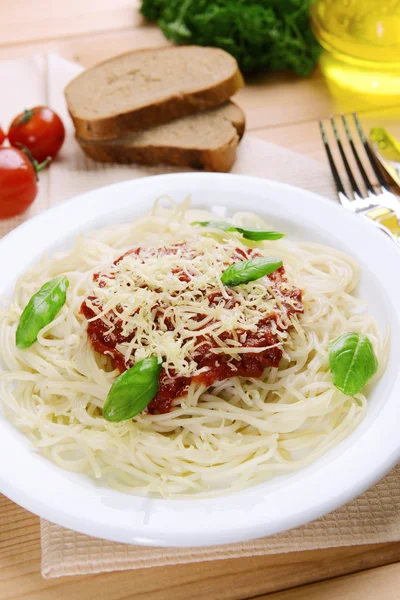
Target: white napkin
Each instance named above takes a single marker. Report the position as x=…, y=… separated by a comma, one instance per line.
x=41, y=80
x=374, y=517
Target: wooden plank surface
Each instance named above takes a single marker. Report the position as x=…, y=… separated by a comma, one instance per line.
x=24, y=20
x=382, y=583
x=279, y=108
x=261, y=98
x=235, y=579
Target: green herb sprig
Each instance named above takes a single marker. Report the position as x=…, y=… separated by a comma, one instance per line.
x=269, y=35
x=41, y=309
x=256, y=235
x=352, y=362
x=133, y=390
x=249, y=270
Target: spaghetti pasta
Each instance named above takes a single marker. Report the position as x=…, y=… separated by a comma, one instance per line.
x=221, y=437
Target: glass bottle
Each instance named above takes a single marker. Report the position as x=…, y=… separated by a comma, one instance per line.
x=361, y=39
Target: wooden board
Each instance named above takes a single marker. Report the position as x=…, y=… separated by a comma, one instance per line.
x=282, y=109
x=24, y=20
x=273, y=103
x=225, y=579
x=381, y=583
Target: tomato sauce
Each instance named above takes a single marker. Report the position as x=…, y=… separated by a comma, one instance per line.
x=218, y=366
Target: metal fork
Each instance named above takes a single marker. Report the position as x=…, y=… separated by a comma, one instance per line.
x=376, y=202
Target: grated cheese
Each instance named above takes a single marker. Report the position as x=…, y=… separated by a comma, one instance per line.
x=169, y=301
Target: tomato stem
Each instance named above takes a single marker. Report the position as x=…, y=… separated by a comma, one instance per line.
x=40, y=166
x=36, y=165
x=25, y=118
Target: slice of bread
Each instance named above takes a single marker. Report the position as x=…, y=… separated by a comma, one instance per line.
x=207, y=140
x=148, y=87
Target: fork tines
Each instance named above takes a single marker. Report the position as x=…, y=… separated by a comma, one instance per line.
x=351, y=174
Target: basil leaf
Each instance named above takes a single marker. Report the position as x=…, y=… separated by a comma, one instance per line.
x=133, y=390
x=250, y=234
x=352, y=362
x=41, y=310
x=249, y=270
x=256, y=235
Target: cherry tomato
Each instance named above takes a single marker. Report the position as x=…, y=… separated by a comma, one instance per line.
x=18, y=186
x=40, y=130
x=2, y=136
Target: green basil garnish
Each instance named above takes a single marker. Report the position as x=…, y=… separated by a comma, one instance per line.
x=352, y=362
x=249, y=270
x=249, y=234
x=41, y=310
x=133, y=390
x=258, y=235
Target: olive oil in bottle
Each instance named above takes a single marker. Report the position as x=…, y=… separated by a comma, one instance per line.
x=361, y=39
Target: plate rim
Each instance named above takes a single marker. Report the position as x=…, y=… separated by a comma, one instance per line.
x=243, y=531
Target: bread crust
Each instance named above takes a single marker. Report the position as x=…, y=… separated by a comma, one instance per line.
x=172, y=107
x=219, y=159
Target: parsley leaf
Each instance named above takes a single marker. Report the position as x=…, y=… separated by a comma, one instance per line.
x=261, y=34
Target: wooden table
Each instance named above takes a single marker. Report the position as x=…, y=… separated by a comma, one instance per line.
x=281, y=109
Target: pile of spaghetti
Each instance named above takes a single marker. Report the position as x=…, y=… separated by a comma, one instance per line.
x=244, y=390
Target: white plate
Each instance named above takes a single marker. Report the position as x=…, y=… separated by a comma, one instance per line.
x=76, y=502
